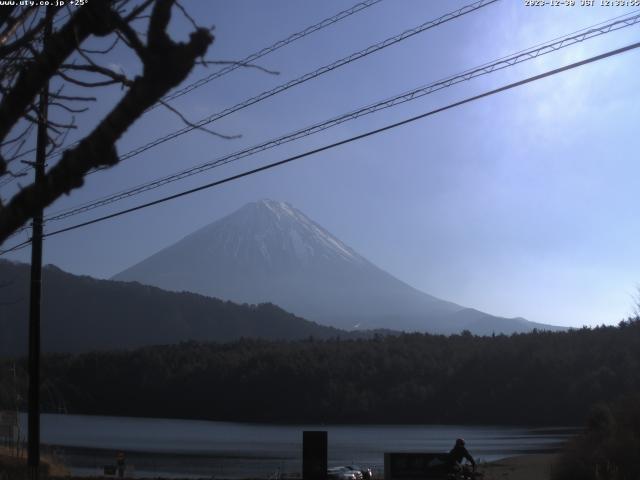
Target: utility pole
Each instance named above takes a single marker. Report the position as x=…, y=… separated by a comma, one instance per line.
x=33, y=452
x=16, y=409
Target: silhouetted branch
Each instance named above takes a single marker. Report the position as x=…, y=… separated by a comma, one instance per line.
x=165, y=65
x=115, y=77
x=193, y=125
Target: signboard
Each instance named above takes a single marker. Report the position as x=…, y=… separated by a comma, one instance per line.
x=415, y=466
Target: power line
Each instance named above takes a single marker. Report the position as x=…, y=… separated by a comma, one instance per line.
x=327, y=68
x=484, y=69
x=598, y=29
x=272, y=48
x=345, y=141
x=19, y=246
x=230, y=68
x=311, y=75
x=353, y=57
x=10, y=178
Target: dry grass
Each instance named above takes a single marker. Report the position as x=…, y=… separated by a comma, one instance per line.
x=522, y=467
x=16, y=467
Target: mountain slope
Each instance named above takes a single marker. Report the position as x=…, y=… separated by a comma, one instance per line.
x=82, y=313
x=268, y=251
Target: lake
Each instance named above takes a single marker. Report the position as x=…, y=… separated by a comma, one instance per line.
x=196, y=448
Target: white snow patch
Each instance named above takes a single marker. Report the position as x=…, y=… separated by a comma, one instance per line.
x=262, y=246
x=300, y=248
x=303, y=244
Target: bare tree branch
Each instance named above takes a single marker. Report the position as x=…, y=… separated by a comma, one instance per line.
x=68, y=108
x=94, y=18
x=74, y=98
x=104, y=51
x=165, y=65
x=130, y=38
x=17, y=138
x=114, y=76
x=193, y=125
x=82, y=83
x=5, y=15
x=13, y=27
x=186, y=15
x=135, y=13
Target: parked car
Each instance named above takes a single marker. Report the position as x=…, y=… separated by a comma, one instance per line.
x=365, y=473
x=342, y=473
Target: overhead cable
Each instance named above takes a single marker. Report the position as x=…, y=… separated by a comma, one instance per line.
x=311, y=75
x=272, y=48
x=233, y=66
x=269, y=166
x=416, y=93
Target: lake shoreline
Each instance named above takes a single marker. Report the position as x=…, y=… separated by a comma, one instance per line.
x=537, y=466
x=172, y=448
x=518, y=467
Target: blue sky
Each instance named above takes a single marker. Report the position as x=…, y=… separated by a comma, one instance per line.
x=521, y=204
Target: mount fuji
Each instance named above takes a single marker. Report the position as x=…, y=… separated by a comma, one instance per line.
x=268, y=251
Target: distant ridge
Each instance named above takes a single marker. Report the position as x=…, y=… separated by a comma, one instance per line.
x=268, y=251
x=81, y=314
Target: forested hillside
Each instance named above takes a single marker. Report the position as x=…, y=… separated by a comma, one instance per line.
x=81, y=313
x=550, y=378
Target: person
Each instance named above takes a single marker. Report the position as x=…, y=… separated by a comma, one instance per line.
x=458, y=453
x=120, y=464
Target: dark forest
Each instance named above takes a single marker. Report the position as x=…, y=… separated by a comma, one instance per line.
x=540, y=378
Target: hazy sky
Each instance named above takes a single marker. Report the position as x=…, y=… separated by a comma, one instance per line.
x=520, y=204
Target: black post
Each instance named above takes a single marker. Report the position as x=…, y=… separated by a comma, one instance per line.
x=33, y=455
x=314, y=455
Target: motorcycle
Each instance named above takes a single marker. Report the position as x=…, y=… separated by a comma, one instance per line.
x=465, y=472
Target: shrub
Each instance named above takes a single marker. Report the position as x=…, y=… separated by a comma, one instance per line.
x=609, y=447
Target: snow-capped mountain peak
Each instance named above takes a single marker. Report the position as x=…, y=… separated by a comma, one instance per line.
x=279, y=225
x=269, y=251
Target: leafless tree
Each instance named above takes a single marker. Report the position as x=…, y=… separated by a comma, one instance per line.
x=27, y=63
